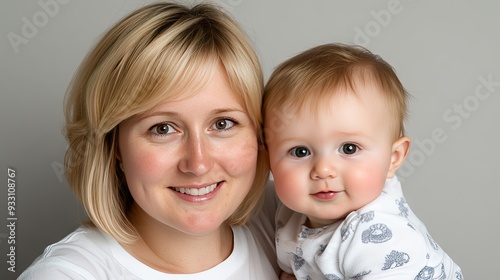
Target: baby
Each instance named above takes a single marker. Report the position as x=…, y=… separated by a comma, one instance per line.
x=334, y=127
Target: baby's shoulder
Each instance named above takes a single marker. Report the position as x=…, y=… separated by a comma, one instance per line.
x=380, y=227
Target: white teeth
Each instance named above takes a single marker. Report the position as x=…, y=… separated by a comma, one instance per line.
x=197, y=192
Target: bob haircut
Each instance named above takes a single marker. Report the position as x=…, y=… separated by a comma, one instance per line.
x=152, y=55
x=315, y=75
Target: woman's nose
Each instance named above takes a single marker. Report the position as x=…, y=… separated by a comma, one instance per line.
x=197, y=159
x=323, y=168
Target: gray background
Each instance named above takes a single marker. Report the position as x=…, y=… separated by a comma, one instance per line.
x=445, y=52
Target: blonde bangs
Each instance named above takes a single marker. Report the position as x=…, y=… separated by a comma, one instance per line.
x=138, y=81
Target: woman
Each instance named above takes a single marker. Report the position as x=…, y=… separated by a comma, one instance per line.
x=164, y=130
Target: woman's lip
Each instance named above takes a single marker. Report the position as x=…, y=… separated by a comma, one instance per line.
x=195, y=186
x=197, y=194
x=196, y=191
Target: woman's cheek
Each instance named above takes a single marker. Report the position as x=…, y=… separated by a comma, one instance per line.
x=240, y=160
x=147, y=166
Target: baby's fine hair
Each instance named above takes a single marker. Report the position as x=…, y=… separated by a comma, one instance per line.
x=314, y=75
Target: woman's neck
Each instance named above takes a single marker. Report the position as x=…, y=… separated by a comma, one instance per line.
x=169, y=250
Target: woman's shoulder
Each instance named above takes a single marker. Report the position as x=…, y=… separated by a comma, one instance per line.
x=79, y=243
x=82, y=253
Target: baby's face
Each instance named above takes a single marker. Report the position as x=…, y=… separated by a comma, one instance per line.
x=332, y=161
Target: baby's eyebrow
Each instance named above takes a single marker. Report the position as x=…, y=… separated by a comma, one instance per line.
x=351, y=133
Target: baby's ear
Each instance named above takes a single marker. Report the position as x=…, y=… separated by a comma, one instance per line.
x=400, y=150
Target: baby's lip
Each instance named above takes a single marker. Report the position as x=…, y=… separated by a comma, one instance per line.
x=325, y=195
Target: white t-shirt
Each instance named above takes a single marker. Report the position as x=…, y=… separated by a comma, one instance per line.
x=88, y=253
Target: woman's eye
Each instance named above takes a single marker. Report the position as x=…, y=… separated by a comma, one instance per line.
x=162, y=129
x=223, y=124
x=349, y=149
x=300, y=152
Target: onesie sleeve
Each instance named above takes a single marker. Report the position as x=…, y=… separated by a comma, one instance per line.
x=381, y=246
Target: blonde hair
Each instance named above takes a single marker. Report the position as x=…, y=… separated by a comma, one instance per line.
x=316, y=74
x=154, y=53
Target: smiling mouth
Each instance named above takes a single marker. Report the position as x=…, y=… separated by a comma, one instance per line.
x=196, y=191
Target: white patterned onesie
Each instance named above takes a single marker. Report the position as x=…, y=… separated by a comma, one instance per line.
x=382, y=240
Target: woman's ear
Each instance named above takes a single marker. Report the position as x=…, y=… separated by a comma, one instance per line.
x=400, y=150
x=120, y=163
x=117, y=147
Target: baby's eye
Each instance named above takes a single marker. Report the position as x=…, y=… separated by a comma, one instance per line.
x=300, y=152
x=162, y=129
x=349, y=149
x=223, y=124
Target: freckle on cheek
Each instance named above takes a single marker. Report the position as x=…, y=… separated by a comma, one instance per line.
x=243, y=158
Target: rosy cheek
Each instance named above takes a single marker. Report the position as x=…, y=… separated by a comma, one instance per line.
x=367, y=177
x=239, y=161
x=280, y=187
x=143, y=167
x=287, y=185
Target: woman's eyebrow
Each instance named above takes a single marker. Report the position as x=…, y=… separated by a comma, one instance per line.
x=143, y=116
x=226, y=110
x=217, y=111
